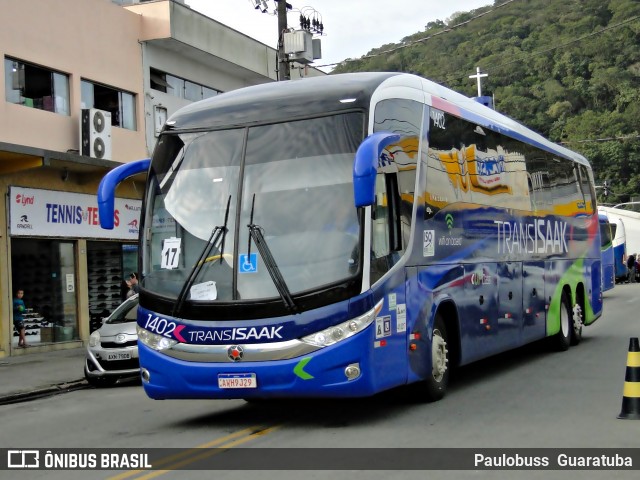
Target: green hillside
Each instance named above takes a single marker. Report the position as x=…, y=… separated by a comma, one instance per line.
x=569, y=69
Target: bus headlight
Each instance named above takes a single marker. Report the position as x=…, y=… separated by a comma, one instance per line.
x=153, y=340
x=344, y=330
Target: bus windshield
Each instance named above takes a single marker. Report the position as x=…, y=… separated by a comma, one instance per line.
x=207, y=188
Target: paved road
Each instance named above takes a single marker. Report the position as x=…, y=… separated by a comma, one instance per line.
x=530, y=398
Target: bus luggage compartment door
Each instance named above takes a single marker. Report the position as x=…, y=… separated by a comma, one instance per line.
x=534, y=311
x=509, y=305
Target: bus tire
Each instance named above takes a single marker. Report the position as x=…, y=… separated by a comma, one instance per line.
x=562, y=339
x=434, y=387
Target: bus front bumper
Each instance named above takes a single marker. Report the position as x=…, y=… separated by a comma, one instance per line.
x=340, y=370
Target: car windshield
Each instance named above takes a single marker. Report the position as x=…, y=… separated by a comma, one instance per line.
x=293, y=181
x=125, y=313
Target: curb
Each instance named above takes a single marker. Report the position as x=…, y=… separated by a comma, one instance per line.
x=42, y=392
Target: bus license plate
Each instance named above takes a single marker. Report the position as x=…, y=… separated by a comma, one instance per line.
x=237, y=380
x=119, y=356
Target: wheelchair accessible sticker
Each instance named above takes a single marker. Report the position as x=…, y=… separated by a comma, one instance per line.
x=248, y=263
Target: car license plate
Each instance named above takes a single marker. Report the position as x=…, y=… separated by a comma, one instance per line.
x=237, y=380
x=119, y=356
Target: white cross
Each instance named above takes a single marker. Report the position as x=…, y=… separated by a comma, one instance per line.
x=478, y=75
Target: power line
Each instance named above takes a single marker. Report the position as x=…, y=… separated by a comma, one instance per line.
x=421, y=40
x=540, y=52
x=575, y=40
x=607, y=139
x=530, y=54
x=466, y=22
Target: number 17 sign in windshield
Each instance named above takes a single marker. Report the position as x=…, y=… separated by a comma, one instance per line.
x=170, y=253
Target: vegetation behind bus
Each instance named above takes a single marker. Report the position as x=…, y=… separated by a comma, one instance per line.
x=570, y=74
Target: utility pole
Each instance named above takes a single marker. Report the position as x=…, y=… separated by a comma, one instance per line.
x=284, y=72
x=308, y=49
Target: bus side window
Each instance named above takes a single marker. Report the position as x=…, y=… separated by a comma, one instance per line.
x=386, y=238
x=532, y=193
x=395, y=184
x=380, y=220
x=539, y=183
x=587, y=189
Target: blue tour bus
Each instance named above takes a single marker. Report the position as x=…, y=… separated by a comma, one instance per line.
x=619, y=232
x=607, y=253
x=619, y=248
x=342, y=235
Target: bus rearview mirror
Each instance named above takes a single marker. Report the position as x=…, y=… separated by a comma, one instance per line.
x=365, y=166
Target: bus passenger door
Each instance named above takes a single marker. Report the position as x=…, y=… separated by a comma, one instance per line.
x=390, y=357
x=387, y=246
x=534, y=311
x=509, y=305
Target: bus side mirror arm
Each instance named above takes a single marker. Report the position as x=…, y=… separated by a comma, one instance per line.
x=365, y=166
x=107, y=189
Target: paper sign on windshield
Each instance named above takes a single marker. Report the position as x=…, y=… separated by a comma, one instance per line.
x=170, y=253
x=204, y=291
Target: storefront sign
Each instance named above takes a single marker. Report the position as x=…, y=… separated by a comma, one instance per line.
x=47, y=213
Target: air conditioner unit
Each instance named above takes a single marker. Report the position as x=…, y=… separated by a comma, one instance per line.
x=95, y=133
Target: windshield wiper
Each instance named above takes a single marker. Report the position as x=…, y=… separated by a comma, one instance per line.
x=218, y=233
x=255, y=233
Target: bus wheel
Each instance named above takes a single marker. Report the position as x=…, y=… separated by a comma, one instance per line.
x=562, y=339
x=434, y=386
x=576, y=331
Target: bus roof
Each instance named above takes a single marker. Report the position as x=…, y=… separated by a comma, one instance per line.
x=279, y=101
x=473, y=111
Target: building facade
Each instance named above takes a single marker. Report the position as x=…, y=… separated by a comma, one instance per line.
x=87, y=86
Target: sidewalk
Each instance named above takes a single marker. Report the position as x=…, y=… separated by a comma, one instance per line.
x=40, y=374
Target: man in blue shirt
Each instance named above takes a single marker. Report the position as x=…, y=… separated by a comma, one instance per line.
x=18, y=319
x=133, y=278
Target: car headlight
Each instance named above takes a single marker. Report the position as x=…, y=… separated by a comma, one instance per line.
x=94, y=339
x=344, y=330
x=153, y=340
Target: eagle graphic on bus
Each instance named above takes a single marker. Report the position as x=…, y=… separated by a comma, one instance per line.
x=469, y=169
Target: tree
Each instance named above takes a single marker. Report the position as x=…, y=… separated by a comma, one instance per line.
x=572, y=74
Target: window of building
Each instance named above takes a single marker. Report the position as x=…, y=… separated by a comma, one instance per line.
x=37, y=87
x=179, y=87
x=209, y=92
x=192, y=91
x=46, y=271
x=176, y=86
x=121, y=104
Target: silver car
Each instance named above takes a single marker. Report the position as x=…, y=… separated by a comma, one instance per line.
x=112, y=352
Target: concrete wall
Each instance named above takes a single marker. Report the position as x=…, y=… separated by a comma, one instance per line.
x=85, y=39
x=102, y=42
